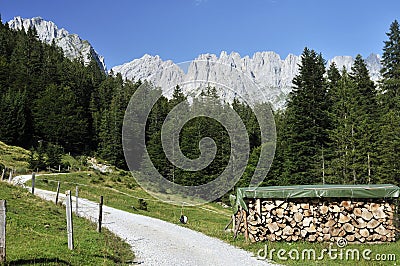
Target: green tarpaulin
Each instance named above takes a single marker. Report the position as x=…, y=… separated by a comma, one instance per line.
x=315, y=191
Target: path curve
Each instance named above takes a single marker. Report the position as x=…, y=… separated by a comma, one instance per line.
x=156, y=242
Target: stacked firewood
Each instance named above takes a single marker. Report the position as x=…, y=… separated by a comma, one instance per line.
x=317, y=220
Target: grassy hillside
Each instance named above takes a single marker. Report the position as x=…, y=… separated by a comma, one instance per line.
x=36, y=234
x=120, y=191
x=14, y=157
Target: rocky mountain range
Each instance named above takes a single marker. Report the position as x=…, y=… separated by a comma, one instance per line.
x=271, y=75
x=265, y=76
x=72, y=45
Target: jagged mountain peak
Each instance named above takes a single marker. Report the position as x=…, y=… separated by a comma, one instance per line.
x=72, y=45
x=272, y=74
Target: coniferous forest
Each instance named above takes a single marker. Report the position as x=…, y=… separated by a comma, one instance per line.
x=338, y=125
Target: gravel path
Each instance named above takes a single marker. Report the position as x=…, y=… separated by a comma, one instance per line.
x=156, y=242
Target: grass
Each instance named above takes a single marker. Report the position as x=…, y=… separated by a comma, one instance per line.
x=36, y=234
x=14, y=157
x=120, y=191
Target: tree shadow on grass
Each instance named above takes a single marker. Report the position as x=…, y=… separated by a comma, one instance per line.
x=38, y=261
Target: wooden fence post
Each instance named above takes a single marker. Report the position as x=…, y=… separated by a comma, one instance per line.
x=2, y=174
x=70, y=229
x=2, y=231
x=58, y=191
x=100, y=214
x=33, y=182
x=76, y=199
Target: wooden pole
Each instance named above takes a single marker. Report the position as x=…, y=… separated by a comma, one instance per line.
x=246, y=227
x=2, y=174
x=76, y=199
x=70, y=229
x=58, y=191
x=2, y=231
x=33, y=183
x=100, y=214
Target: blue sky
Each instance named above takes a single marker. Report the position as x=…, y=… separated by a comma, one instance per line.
x=179, y=30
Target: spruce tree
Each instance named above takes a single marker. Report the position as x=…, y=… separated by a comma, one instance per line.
x=365, y=109
x=308, y=121
x=389, y=142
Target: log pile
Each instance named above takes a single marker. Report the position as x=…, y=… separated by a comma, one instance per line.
x=317, y=220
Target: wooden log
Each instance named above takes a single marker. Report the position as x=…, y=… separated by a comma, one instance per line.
x=347, y=205
x=374, y=206
x=312, y=238
x=364, y=232
x=360, y=223
x=305, y=206
x=303, y=233
x=279, y=212
x=334, y=231
x=348, y=227
x=307, y=221
x=278, y=203
x=381, y=230
x=350, y=238
x=366, y=215
x=311, y=228
x=258, y=207
x=294, y=208
x=342, y=233
x=273, y=227
x=288, y=230
x=357, y=212
x=378, y=213
x=344, y=218
x=293, y=223
x=334, y=208
x=307, y=213
x=281, y=225
x=298, y=217
x=271, y=237
x=330, y=223
x=324, y=209
x=372, y=224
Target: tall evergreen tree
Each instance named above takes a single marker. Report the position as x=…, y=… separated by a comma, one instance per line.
x=308, y=121
x=389, y=143
x=365, y=108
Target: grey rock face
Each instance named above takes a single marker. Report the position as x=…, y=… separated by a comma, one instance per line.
x=72, y=45
x=271, y=76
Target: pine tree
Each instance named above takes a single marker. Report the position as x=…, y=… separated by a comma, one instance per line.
x=389, y=142
x=308, y=121
x=342, y=129
x=365, y=108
